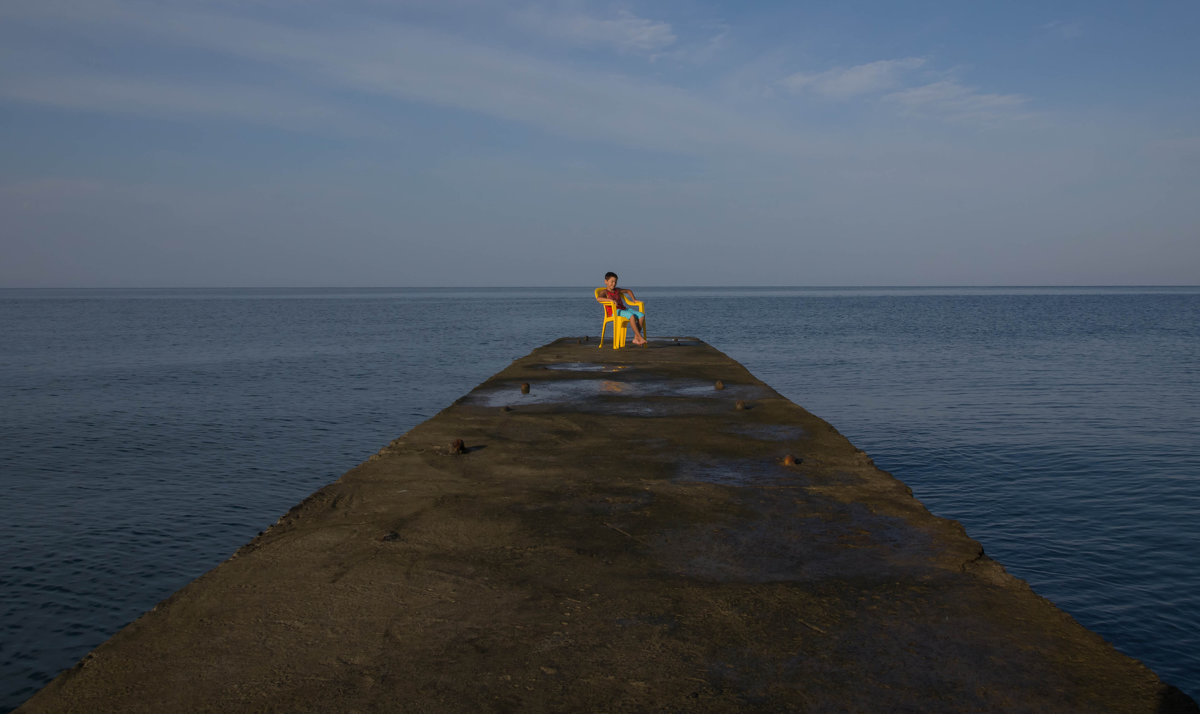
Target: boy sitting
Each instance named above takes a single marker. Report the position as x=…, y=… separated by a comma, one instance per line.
x=636, y=319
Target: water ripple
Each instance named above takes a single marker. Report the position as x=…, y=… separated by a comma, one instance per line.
x=148, y=434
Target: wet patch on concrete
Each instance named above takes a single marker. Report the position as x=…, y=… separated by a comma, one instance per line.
x=547, y=392
x=578, y=391
x=766, y=471
x=731, y=391
x=812, y=538
x=607, y=406
x=585, y=367
x=652, y=407
x=769, y=432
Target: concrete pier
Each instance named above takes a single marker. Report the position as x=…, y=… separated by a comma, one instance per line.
x=619, y=537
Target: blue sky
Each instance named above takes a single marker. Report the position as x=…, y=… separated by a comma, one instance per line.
x=456, y=142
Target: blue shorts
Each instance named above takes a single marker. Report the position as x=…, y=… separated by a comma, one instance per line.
x=631, y=313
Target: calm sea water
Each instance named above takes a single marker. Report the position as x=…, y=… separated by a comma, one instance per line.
x=146, y=434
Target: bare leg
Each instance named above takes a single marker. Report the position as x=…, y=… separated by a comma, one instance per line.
x=637, y=332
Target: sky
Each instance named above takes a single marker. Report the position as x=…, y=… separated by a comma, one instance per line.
x=356, y=143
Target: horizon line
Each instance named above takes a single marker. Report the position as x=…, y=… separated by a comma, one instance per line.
x=574, y=287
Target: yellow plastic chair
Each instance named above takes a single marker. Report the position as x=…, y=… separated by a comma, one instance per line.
x=620, y=324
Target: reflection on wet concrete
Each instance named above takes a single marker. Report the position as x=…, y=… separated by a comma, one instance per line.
x=731, y=391
x=578, y=391
x=585, y=367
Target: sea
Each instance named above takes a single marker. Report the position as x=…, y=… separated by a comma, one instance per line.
x=146, y=434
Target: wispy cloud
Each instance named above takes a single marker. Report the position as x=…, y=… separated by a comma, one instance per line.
x=624, y=32
x=948, y=99
x=334, y=67
x=846, y=82
x=905, y=84
x=679, y=129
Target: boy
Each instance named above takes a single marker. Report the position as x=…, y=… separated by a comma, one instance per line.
x=615, y=294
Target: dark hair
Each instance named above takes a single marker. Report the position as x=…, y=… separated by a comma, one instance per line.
x=610, y=274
